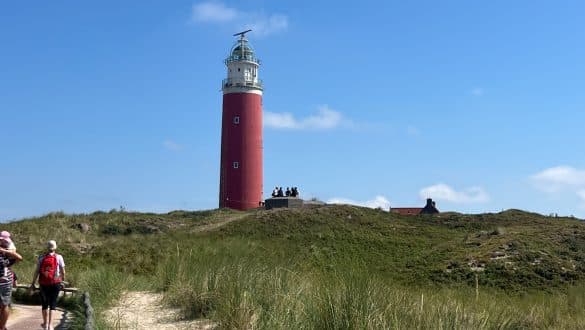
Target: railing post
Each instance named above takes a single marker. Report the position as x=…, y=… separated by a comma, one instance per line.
x=89, y=321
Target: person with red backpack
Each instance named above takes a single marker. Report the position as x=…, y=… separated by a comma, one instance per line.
x=51, y=273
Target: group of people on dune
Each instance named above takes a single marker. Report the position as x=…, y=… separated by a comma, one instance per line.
x=290, y=192
x=50, y=272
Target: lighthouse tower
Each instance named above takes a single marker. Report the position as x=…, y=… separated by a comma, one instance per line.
x=240, y=181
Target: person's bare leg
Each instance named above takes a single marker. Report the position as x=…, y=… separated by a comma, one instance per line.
x=3, y=316
x=44, y=318
x=50, y=325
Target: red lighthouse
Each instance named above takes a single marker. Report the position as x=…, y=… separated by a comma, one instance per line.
x=240, y=181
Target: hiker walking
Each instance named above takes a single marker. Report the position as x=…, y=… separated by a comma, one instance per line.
x=8, y=256
x=4, y=235
x=51, y=273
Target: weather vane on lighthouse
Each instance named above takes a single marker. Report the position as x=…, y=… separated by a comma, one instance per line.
x=240, y=181
x=242, y=34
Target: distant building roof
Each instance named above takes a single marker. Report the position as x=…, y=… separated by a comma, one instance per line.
x=430, y=208
x=406, y=210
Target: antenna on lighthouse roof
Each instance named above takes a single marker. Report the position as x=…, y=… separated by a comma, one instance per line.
x=242, y=34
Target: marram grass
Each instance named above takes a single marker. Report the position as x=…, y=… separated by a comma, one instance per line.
x=252, y=295
x=326, y=268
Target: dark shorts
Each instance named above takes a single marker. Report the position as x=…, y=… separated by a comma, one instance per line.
x=49, y=294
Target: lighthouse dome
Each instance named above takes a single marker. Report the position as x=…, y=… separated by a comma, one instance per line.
x=242, y=51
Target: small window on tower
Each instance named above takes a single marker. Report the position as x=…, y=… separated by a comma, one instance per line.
x=236, y=164
x=236, y=120
x=238, y=69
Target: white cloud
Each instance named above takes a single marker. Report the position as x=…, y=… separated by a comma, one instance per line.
x=213, y=12
x=325, y=118
x=262, y=24
x=280, y=120
x=443, y=192
x=377, y=202
x=558, y=178
x=478, y=91
x=173, y=146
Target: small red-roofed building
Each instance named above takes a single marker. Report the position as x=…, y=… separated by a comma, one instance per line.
x=430, y=208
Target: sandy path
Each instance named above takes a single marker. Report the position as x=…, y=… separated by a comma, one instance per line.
x=217, y=224
x=24, y=317
x=144, y=310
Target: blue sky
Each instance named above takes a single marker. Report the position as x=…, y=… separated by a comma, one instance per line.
x=477, y=104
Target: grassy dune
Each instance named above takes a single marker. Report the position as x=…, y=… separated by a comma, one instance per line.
x=332, y=267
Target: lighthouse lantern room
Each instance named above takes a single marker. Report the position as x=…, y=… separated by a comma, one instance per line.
x=240, y=183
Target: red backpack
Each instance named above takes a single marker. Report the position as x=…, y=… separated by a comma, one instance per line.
x=48, y=270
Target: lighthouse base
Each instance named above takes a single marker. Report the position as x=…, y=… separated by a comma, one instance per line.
x=278, y=202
